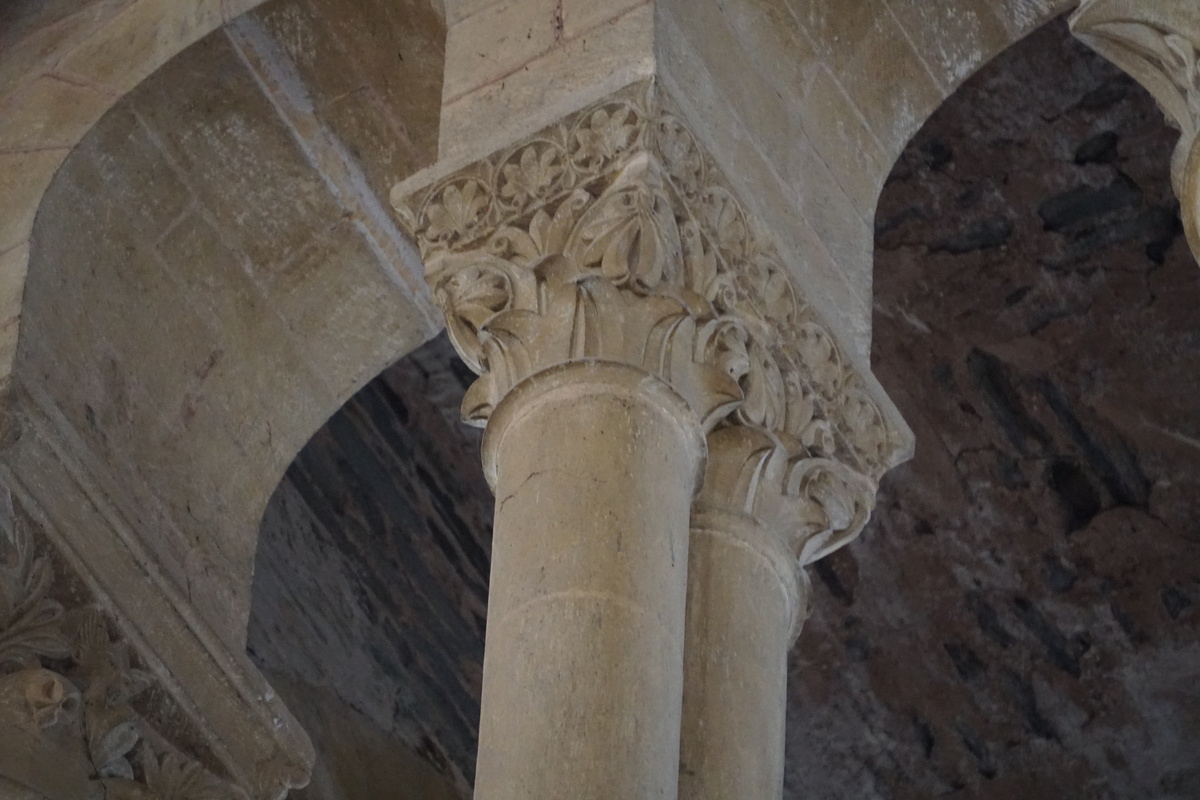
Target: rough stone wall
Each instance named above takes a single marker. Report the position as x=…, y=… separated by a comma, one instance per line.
x=371, y=576
x=1020, y=619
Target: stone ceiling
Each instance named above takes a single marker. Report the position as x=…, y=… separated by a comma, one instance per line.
x=1021, y=618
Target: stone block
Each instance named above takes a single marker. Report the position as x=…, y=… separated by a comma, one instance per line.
x=35, y=36
x=563, y=80
x=497, y=41
x=581, y=16
x=348, y=317
x=245, y=166
x=835, y=28
x=1021, y=17
x=217, y=285
x=954, y=39
x=121, y=160
x=309, y=42
x=846, y=144
x=458, y=10
x=889, y=83
x=50, y=112
x=23, y=180
x=770, y=35
x=384, y=151
x=140, y=39
x=13, y=264
x=400, y=48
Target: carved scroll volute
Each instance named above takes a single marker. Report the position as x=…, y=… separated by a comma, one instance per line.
x=41, y=734
x=809, y=505
x=816, y=504
x=1158, y=43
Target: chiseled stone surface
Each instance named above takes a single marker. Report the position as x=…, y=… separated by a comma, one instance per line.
x=1021, y=619
x=215, y=270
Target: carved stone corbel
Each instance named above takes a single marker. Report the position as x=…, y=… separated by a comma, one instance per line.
x=1158, y=43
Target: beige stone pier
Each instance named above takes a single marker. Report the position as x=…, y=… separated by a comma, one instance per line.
x=620, y=305
x=589, y=563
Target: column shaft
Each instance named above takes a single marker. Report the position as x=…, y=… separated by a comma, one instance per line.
x=594, y=466
x=742, y=606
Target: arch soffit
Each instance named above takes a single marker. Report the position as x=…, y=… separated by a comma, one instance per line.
x=64, y=63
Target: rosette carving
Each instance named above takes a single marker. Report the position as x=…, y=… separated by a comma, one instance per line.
x=612, y=235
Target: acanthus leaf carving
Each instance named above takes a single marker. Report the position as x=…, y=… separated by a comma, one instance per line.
x=612, y=235
x=31, y=624
x=68, y=726
x=815, y=504
x=806, y=506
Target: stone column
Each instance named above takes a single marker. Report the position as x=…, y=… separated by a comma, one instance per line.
x=598, y=384
x=763, y=513
x=1158, y=43
x=618, y=304
x=594, y=465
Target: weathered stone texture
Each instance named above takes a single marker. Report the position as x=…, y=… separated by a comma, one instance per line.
x=371, y=577
x=205, y=294
x=1019, y=619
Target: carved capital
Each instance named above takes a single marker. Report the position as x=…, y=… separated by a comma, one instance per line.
x=815, y=504
x=1158, y=43
x=806, y=504
x=613, y=236
x=78, y=717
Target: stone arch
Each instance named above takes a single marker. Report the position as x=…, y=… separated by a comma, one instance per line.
x=64, y=65
x=200, y=506
x=214, y=273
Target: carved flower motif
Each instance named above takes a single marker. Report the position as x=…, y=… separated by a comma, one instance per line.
x=726, y=220
x=607, y=134
x=533, y=176
x=680, y=155
x=50, y=698
x=863, y=423
x=459, y=213
x=819, y=356
x=30, y=622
